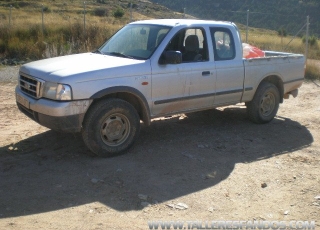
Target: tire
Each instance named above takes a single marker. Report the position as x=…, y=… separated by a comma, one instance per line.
x=265, y=103
x=110, y=127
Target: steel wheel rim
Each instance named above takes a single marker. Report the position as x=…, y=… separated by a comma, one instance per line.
x=267, y=104
x=115, y=129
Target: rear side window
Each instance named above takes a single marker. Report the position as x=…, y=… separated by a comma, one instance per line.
x=223, y=44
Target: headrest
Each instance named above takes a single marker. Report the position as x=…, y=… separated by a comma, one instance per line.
x=192, y=43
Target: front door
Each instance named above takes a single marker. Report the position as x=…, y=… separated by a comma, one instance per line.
x=189, y=85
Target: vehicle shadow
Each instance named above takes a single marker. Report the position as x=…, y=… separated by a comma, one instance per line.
x=172, y=158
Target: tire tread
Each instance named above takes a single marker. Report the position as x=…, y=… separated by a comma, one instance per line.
x=104, y=106
x=253, y=106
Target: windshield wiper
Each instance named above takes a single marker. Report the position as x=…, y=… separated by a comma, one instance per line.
x=97, y=52
x=117, y=54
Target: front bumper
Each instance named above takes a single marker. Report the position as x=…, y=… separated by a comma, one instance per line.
x=56, y=115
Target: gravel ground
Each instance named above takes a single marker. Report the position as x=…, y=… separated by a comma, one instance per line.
x=9, y=73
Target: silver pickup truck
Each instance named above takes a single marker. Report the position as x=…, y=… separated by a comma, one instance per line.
x=150, y=69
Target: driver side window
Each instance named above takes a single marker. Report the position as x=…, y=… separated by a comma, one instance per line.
x=191, y=43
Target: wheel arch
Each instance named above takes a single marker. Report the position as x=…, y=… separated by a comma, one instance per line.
x=128, y=94
x=277, y=81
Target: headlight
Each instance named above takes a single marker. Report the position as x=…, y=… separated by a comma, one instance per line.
x=56, y=91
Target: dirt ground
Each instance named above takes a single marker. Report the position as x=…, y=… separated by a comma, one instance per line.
x=217, y=163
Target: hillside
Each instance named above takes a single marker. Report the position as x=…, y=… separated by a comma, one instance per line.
x=141, y=9
x=271, y=14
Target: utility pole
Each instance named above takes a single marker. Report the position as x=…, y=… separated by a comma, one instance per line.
x=84, y=18
x=42, y=21
x=10, y=16
x=247, y=28
x=307, y=38
x=130, y=11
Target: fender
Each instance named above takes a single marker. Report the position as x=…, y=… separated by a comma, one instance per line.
x=276, y=80
x=126, y=89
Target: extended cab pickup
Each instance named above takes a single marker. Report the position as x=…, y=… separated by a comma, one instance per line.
x=151, y=69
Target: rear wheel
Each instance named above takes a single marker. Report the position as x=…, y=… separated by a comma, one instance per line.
x=265, y=103
x=110, y=127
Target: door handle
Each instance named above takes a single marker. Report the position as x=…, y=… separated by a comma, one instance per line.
x=205, y=73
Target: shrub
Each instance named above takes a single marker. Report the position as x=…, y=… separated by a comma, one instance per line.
x=46, y=9
x=16, y=48
x=313, y=40
x=282, y=32
x=100, y=12
x=2, y=46
x=118, y=13
x=16, y=5
x=133, y=5
x=312, y=72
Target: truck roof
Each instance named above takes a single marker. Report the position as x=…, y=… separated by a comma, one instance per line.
x=180, y=22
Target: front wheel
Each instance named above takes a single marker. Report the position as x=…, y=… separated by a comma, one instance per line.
x=265, y=103
x=110, y=127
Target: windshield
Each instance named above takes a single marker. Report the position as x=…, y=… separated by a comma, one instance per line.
x=135, y=41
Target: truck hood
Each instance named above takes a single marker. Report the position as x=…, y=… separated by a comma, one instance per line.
x=90, y=66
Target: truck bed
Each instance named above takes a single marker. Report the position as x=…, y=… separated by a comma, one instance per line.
x=287, y=66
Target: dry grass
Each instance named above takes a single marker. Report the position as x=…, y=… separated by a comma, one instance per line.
x=312, y=72
x=63, y=30
x=61, y=33
x=55, y=39
x=270, y=40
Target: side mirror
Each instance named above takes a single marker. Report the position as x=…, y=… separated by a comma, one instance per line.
x=170, y=57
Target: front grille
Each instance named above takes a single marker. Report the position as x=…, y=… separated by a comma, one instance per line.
x=30, y=86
